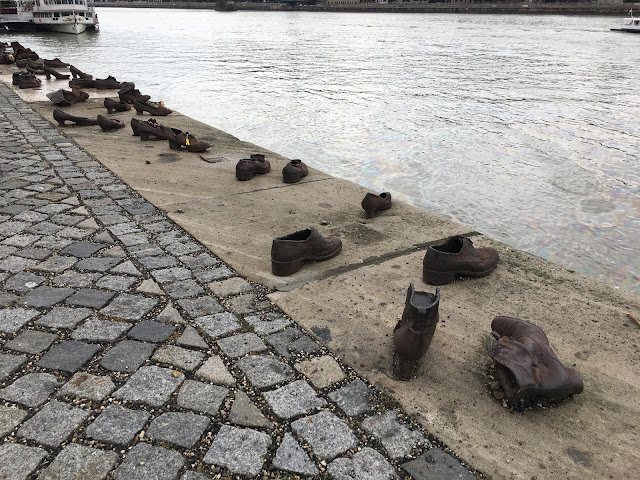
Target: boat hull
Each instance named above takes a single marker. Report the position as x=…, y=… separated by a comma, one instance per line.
x=628, y=30
x=70, y=27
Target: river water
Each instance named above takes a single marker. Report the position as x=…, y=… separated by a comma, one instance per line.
x=525, y=128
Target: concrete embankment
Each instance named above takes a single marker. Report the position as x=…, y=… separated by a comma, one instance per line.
x=354, y=300
x=407, y=7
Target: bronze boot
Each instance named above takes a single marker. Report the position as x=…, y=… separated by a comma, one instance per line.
x=413, y=333
x=372, y=203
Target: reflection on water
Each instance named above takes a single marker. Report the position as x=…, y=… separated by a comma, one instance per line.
x=522, y=127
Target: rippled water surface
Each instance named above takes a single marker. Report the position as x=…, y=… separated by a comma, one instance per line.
x=522, y=127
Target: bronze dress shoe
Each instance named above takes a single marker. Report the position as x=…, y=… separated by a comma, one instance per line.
x=248, y=167
x=294, y=171
x=128, y=93
x=107, y=83
x=372, y=203
x=61, y=97
x=61, y=117
x=108, y=124
x=158, y=110
x=191, y=143
x=77, y=73
x=85, y=82
x=48, y=71
x=288, y=252
x=526, y=366
x=111, y=105
x=457, y=257
x=413, y=333
x=55, y=63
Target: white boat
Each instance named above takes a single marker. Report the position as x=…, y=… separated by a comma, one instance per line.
x=629, y=24
x=66, y=16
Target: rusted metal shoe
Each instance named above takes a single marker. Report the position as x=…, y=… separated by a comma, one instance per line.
x=289, y=252
x=150, y=128
x=79, y=95
x=61, y=117
x=109, y=124
x=48, y=71
x=18, y=75
x=63, y=98
x=185, y=139
x=457, y=257
x=128, y=93
x=107, y=83
x=246, y=168
x=77, y=73
x=55, y=63
x=157, y=110
x=111, y=105
x=82, y=83
x=294, y=171
x=30, y=81
x=373, y=203
x=414, y=332
x=526, y=366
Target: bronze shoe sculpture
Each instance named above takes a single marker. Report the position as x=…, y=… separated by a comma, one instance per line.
x=288, y=252
x=371, y=203
x=61, y=117
x=248, y=167
x=20, y=75
x=85, y=82
x=77, y=73
x=413, y=333
x=151, y=128
x=526, y=366
x=191, y=143
x=79, y=95
x=29, y=81
x=457, y=257
x=107, y=83
x=112, y=105
x=108, y=124
x=63, y=98
x=159, y=110
x=294, y=171
x=55, y=63
x=48, y=71
x=128, y=93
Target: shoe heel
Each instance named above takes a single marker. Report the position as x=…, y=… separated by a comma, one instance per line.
x=109, y=111
x=404, y=369
x=284, y=269
x=243, y=176
x=438, y=278
x=138, y=111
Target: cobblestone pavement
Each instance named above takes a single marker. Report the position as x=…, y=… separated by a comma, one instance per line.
x=129, y=351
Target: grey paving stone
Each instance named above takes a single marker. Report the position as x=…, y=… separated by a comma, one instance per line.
x=23, y=282
x=127, y=268
x=151, y=331
x=44, y=228
x=241, y=344
x=267, y=323
x=193, y=476
x=321, y=371
x=327, y=434
x=117, y=283
x=397, y=439
x=212, y=274
x=64, y=317
x=150, y=385
x=31, y=341
x=170, y=315
x=291, y=457
x=34, y=253
x=52, y=242
x=10, y=418
x=218, y=324
x=65, y=219
x=86, y=385
x=156, y=262
x=117, y=425
x=15, y=264
x=201, y=306
x=170, y=275
x=28, y=216
x=97, y=264
x=12, y=319
x=182, y=429
x=264, y=370
x=131, y=239
x=19, y=461
x=75, y=233
x=201, y=397
x=247, y=303
x=149, y=286
x=21, y=240
x=242, y=451
x=112, y=219
x=191, y=338
x=296, y=398
x=366, y=464
x=435, y=464
x=178, y=357
x=54, y=208
x=146, y=462
x=74, y=279
x=45, y=296
x=9, y=364
x=353, y=399
x=127, y=356
x=7, y=251
x=292, y=341
x=231, y=286
x=82, y=249
x=87, y=297
x=31, y=390
x=13, y=227
x=200, y=261
x=214, y=371
x=53, y=424
x=77, y=462
x=183, y=289
x=129, y=307
x=183, y=248
x=100, y=330
x=245, y=413
x=68, y=356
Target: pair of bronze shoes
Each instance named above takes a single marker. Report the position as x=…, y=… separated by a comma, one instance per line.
x=156, y=110
x=65, y=98
x=128, y=93
x=526, y=366
x=106, y=124
x=111, y=105
x=176, y=138
x=247, y=168
x=288, y=253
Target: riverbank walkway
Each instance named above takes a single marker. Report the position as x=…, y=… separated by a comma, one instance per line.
x=129, y=351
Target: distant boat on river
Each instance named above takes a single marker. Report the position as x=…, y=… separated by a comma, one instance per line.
x=66, y=16
x=630, y=24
